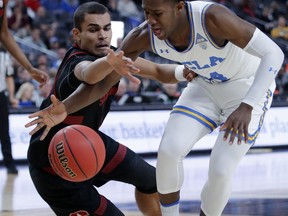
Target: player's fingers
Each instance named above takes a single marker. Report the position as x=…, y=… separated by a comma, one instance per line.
x=34, y=130
x=45, y=132
x=225, y=127
x=189, y=77
x=126, y=59
x=110, y=51
x=36, y=114
x=233, y=133
x=120, y=54
x=246, y=135
x=54, y=100
x=34, y=122
x=133, y=79
x=133, y=69
x=240, y=133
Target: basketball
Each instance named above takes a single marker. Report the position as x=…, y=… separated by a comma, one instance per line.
x=76, y=153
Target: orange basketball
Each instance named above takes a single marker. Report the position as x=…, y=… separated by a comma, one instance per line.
x=76, y=153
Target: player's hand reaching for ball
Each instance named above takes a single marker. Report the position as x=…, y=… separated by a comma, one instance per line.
x=188, y=74
x=237, y=124
x=48, y=117
x=122, y=65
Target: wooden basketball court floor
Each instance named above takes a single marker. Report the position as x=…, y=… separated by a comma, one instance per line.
x=260, y=187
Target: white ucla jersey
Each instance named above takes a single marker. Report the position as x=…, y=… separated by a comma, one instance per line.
x=203, y=55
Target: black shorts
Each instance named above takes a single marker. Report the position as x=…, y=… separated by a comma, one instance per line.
x=69, y=198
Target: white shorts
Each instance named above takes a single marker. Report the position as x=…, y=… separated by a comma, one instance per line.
x=211, y=104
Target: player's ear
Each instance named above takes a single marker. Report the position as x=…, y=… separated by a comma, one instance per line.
x=76, y=32
x=180, y=6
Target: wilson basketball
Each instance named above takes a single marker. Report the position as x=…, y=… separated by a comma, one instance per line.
x=76, y=153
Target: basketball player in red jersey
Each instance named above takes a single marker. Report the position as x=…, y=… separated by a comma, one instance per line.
x=7, y=40
x=92, y=34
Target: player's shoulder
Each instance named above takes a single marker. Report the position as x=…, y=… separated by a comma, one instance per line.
x=137, y=40
x=216, y=11
x=141, y=31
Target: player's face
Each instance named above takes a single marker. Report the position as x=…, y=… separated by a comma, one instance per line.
x=161, y=16
x=95, y=35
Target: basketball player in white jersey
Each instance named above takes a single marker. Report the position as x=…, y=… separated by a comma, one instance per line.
x=236, y=65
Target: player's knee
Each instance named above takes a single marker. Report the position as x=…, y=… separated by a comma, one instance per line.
x=220, y=173
x=170, y=153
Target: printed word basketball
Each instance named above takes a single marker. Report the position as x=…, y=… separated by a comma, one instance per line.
x=76, y=153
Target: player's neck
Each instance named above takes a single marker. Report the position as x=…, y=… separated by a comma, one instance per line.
x=180, y=39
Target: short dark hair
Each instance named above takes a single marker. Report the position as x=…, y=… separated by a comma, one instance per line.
x=88, y=8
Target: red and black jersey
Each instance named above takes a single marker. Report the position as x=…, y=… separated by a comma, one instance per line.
x=64, y=85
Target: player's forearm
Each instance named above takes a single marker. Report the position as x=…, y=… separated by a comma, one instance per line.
x=164, y=73
x=96, y=71
x=271, y=61
x=87, y=94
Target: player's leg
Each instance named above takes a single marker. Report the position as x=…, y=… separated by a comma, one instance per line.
x=144, y=200
x=69, y=198
x=223, y=162
x=225, y=157
x=192, y=117
x=181, y=133
x=126, y=166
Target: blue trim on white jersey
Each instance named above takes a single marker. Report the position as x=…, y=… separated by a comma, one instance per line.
x=191, y=35
x=152, y=41
x=203, y=22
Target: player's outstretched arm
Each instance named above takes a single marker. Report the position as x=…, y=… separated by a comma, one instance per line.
x=123, y=65
x=164, y=73
x=83, y=96
x=49, y=117
x=85, y=70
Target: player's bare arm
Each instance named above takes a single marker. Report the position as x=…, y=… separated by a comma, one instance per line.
x=164, y=73
x=12, y=47
x=83, y=96
x=137, y=42
x=86, y=70
x=223, y=26
x=87, y=94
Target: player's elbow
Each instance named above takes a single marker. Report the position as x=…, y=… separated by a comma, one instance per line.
x=278, y=55
x=90, y=81
x=281, y=54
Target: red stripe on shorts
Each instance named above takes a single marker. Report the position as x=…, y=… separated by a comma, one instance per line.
x=102, y=207
x=116, y=160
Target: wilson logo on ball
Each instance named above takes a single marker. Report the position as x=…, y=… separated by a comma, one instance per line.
x=64, y=159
